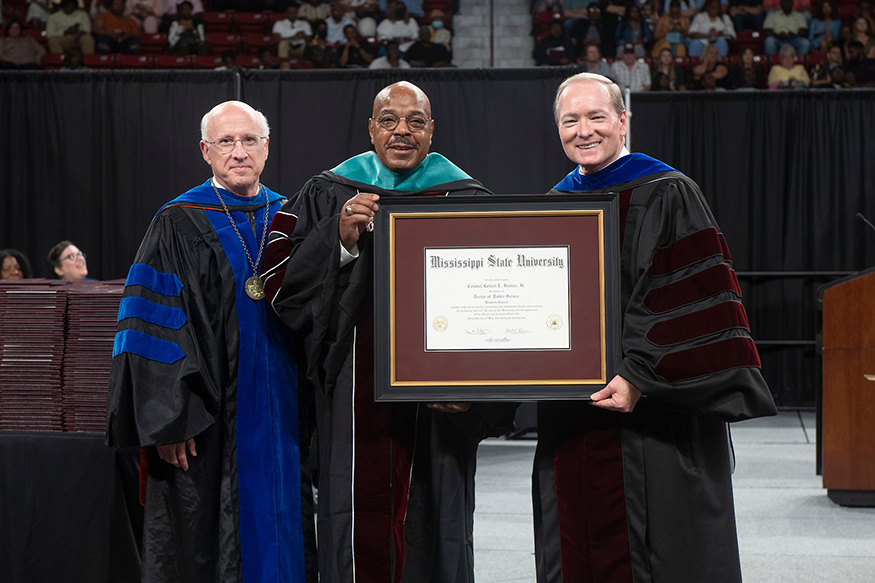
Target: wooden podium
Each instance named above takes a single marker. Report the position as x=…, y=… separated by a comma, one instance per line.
x=848, y=407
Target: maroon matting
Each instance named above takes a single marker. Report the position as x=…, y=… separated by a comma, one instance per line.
x=579, y=230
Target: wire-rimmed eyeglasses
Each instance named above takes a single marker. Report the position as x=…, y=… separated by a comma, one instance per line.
x=226, y=144
x=415, y=123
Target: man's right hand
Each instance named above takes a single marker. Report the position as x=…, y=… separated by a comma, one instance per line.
x=175, y=453
x=355, y=216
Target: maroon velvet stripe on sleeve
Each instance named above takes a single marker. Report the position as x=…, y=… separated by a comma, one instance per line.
x=277, y=252
x=591, y=503
x=625, y=204
x=708, y=359
x=689, y=250
x=723, y=316
x=694, y=288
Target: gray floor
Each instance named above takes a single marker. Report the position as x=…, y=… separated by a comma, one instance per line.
x=788, y=530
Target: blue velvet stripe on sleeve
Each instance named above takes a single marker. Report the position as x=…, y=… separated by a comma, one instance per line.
x=160, y=315
x=135, y=342
x=166, y=284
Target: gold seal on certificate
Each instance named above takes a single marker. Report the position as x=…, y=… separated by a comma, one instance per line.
x=554, y=321
x=440, y=323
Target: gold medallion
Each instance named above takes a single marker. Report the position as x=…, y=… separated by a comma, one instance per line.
x=255, y=288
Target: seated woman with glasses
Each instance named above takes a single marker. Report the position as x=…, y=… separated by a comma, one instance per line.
x=67, y=262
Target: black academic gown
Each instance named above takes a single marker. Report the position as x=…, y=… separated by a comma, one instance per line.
x=395, y=480
x=195, y=357
x=646, y=497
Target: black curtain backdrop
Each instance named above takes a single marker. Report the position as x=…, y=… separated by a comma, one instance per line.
x=91, y=156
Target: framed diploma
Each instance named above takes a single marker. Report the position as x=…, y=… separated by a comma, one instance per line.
x=508, y=298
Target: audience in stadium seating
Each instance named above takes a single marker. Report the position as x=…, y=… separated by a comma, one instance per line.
x=14, y=265
x=633, y=29
x=594, y=63
x=788, y=73
x=862, y=32
x=786, y=26
x=69, y=26
x=553, y=50
x=229, y=60
x=413, y=7
x=171, y=10
x=185, y=36
x=825, y=29
x=710, y=73
x=391, y=60
x=320, y=52
x=73, y=60
x=821, y=74
x=65, y=261
x=292, y=34
x=861, y=69
x=18, y=51
x=116, y=33
x=146, y=13
x=265, y=59
x=365, y=14
x=671, y=31
x=424, y=53
x=356, y=54
x=439, y=32
x=336, y=22
x=747, y=14
x=746, y=74
x=650, y=14
x=398, y=25
x=38, y=13
x=594, y=29
x=314, y=10
x=666, y=75
x=630, y=72
x=710, y=28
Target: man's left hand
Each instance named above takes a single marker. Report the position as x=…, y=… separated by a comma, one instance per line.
x=450, y=407
x=620, y=395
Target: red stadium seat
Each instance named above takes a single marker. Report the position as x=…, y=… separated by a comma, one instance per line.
x=248, y=62
x=37, y=35
x=208, y=62
x=152, y=43
x=749, y=39
x=220, y=42
x=99, y=61
x=134, y=61
x=172, y=62
x=254, y=42
x=217, y=21
x=812, y=59
x=252, y=22
x=53, y=61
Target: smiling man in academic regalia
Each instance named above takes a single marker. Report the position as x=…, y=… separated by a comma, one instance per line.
x=395, y=480
x=635, y=486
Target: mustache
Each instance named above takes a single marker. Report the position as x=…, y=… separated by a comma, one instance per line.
x=401, y=140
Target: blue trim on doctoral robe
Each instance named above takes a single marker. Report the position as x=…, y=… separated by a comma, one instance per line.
x=149, y=311
x=141, y=344
x=622, y=170
x=269, y=502
x=166, y=284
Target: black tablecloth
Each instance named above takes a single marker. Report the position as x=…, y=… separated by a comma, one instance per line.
x=68, y=509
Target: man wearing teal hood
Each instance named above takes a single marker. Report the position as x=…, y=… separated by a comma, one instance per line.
x=395, y=480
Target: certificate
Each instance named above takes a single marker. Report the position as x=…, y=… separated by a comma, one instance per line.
x=497, y=298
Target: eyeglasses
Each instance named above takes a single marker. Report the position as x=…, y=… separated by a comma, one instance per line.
x=73, y=256
x=226, y=144
x=415, y=123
